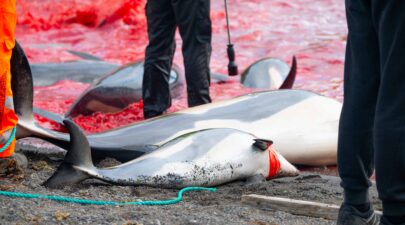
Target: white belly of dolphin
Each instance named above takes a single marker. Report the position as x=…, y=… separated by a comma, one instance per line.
x=206, y=158
x=304, y=133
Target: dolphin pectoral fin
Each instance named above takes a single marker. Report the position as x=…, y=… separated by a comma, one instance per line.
x=49, y=115
x=65, y=175
x=125, y=153
x=121, y=154
x=78, y=156
x=262, y=144
x=289, y=81
x=84, y=55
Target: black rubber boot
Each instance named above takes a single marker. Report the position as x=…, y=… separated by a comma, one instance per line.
x=349, y=215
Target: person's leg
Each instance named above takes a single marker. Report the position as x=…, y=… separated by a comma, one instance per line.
x=193, y=19
x=158, y=57
x=361, y=85
x=389, y=134
x=8, y=117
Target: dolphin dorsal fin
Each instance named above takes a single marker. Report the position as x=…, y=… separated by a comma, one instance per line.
x=262, y=144
x=85, y=55
x=79, y=152
x=289, y=80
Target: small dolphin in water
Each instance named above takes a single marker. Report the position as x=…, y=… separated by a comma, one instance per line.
x=120, y=87
x=117, y=90
x=270, y=74
x=114, y=92
x=85, y=71
x=202, y=158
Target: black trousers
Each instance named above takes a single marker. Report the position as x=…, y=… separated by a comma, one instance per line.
x=372, y=125
x=192, y=17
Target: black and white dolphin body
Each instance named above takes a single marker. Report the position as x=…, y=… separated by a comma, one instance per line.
x=302, y=124
x=115, y=91
x=203, y=158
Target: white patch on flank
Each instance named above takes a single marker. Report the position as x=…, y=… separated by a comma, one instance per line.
x=275, y=77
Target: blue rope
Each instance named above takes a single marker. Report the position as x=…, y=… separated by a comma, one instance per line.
x=10, y=139
x=98, y=202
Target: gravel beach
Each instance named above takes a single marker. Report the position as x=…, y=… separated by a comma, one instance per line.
x=221, y=207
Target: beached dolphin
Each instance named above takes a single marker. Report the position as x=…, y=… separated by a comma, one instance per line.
x=202, y=158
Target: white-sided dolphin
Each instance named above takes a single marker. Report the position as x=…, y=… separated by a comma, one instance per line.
x=85, y=71
x=202, y=158
x=115, y=91
x=270, y=74
x=109, y=92
x=303, y=125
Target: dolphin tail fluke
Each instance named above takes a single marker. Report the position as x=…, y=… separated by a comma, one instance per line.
x=289, y=81
x=77, y=163
x=65, y=175
x=21, y=83
x=22, y=86
x=23, y=95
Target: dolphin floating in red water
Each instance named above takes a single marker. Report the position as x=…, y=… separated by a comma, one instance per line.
x=114, y=87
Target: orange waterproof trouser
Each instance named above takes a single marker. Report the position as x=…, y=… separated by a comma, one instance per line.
x=8, y=118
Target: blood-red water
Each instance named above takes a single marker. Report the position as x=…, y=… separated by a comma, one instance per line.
x=313, y=30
